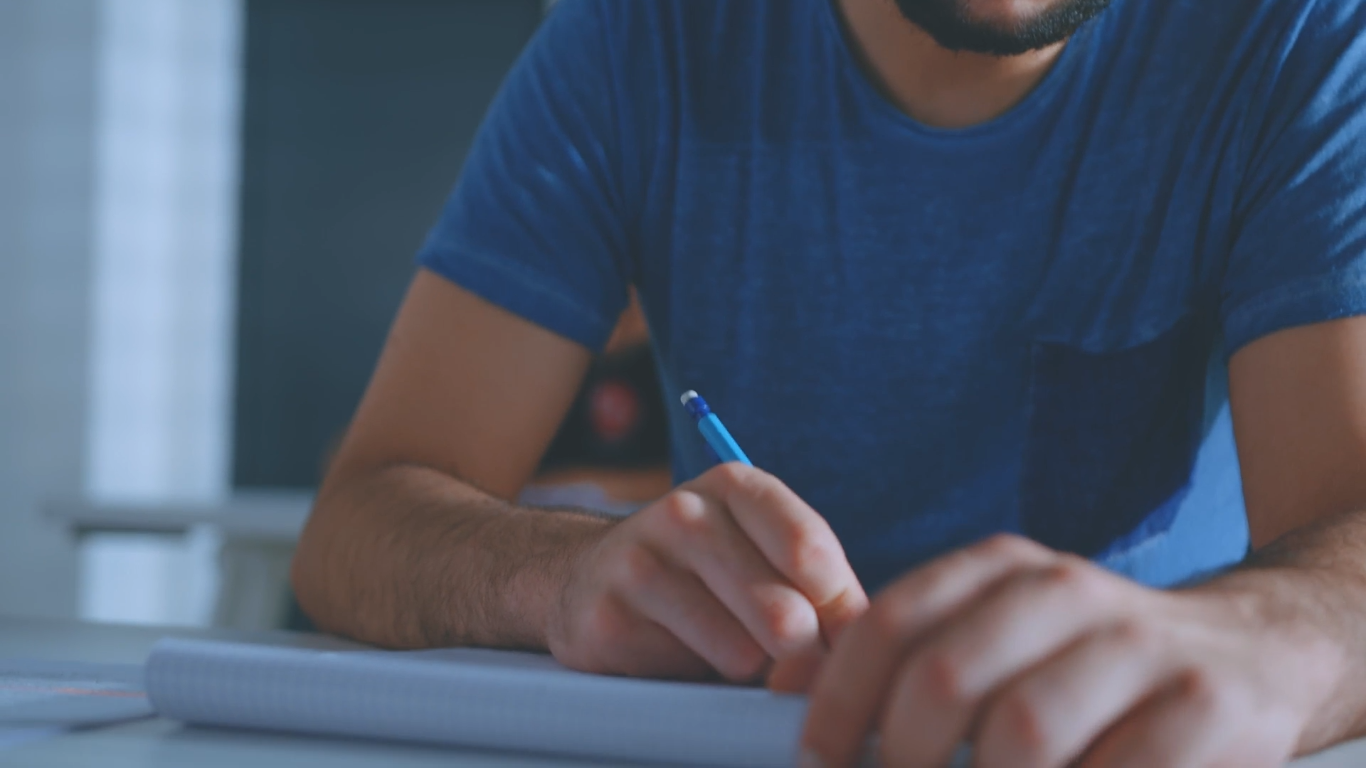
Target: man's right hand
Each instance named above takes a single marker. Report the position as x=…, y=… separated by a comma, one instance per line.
x=723, y=575
x=415, y=541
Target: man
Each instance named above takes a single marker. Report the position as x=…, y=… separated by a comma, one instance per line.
x=946, y=268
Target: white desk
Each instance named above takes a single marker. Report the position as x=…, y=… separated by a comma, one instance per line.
x=257, y=532
x=157, y=742
x=259, y=516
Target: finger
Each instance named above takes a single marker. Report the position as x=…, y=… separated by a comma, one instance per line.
x=698, y=535
x=1172, y=727
x=795, y=674
x=853, y=683
x=794, y=538
x=1195, y=721
x=681, y=604
x=1017, y=623
x=1052, y=713
x=656, y=654
x=642, y=648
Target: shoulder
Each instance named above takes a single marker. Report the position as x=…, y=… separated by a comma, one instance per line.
x=1314, y=44
x=1225, y=66
x=1248, y=37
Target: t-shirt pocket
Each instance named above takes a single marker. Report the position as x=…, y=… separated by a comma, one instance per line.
x=1111, y=439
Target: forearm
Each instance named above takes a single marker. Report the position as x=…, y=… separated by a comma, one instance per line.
x=408, y=557
x=1310, y=588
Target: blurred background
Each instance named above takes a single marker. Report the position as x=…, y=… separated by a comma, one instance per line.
x=208, y=215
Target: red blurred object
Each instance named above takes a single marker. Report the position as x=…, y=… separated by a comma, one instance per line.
x=614, y=410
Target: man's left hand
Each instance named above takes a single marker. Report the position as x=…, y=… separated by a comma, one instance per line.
x=1043, y=659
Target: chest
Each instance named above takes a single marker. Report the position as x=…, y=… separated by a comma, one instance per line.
x=856, y=244
x=1034, y=329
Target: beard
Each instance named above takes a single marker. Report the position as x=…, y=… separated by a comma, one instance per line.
x=950, y=24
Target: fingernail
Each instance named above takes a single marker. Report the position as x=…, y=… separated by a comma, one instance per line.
x=809, y=759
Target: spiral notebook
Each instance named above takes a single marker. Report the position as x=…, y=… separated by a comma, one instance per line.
x=472, y=698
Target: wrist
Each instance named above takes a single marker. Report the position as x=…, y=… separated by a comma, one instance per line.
x=558, y=543
x=1286, y=612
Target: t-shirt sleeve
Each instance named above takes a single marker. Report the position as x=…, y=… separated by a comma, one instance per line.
x=1299, y=253
x=535, y=223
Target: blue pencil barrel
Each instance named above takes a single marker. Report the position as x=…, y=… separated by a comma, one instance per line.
x=727, y=450
x=713, y=431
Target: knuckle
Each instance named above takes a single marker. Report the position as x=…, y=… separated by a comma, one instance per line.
x=1076, y=577
x=1134, y=636
x=734, y=474
x=942, y=678
x=809, y=551
x=791, y=621
x=1202, y=694
x=639, y=569
x=686, y=513
x=1068, y=571
x=752, y=483
x=603, y=624
x=1006, y=546
x=1023, y=728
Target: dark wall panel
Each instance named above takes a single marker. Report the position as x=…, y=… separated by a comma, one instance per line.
x=358, y=116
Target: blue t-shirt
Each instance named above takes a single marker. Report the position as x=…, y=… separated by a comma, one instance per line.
x=933, y=335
